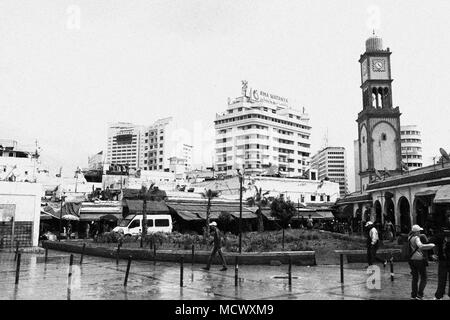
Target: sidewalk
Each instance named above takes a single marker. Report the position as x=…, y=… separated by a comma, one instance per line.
x=100, y=278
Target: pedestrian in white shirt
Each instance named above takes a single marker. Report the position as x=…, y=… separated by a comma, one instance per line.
x=373, y=244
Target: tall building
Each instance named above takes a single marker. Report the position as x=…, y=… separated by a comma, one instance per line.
x=330, y=163
x=379, y=122
x=259, y=130
x=147, y=147
x=125, y=144
x=411, y=146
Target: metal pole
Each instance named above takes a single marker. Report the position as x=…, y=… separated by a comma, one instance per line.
x=181, y=271
x=69, y=280
x=127, y=272
x=17, y=250
x=144, y=220
x=46, y=255
x=240, y=213
x=290, y=271
x=391, y=262
x=18, y=268
x=342, y=267
x=154, y=253
x=82, y=253
x=236, y=271
x=193, y=254
x=13, y=227
x=118, y=251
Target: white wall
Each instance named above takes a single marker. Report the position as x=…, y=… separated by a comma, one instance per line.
x=27, y=199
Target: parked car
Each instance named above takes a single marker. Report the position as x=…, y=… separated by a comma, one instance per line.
x=155, y=223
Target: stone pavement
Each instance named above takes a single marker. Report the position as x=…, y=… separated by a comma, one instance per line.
x=101, y=278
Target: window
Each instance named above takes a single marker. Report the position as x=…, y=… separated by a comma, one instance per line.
x=161, y=222
x=313, y=198
x=383, y=136
x=135, y=224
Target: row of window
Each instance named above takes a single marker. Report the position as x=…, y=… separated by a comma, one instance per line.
x=249, y=116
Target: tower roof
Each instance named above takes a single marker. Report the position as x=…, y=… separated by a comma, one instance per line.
x=374, y=43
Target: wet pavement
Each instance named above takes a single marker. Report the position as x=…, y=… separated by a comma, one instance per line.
x=101, y=278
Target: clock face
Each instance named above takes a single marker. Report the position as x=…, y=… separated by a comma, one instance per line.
x=378, y=65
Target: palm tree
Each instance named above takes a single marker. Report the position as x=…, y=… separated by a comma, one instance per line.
x=260, y=201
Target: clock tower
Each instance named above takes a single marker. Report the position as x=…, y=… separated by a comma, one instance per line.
x=378, y=122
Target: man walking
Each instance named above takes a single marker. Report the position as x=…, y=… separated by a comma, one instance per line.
x=442, y=254
x=217, y=247
x=417, y=262
x=372, y=244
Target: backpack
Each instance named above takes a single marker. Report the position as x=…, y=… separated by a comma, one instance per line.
x=411, y=251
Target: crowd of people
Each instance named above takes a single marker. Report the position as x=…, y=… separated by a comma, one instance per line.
x=421, y=249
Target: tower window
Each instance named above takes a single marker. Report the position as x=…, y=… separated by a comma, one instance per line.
x=383, y=136
x=364, y=139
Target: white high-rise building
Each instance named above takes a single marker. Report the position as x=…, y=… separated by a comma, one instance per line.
x=259, y=130
x=330, y=163
x=147, y=147
x=411, y=142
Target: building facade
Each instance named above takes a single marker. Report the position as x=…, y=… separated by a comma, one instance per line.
x=379, y=146
x=330, y=163
x=259, y=130
x=411, y=141
x=147, y=147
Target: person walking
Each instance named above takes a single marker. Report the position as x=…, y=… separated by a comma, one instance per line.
x=373, y=243
x=417, y=262
x=442, y=254
x=217, y=247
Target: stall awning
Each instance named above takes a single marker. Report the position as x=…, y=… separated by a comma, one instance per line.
x=136, y=206
x=427, y=191
x=326, y=214
x=46, y=215
x=188, y=216
x=442, y=195
x=245, y=215
x=97, y=216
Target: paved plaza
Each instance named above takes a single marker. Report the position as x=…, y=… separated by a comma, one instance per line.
x=101, y=278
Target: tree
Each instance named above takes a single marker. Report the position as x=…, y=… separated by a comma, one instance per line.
x=260, y=201
x=283, y=210
x=209, y=194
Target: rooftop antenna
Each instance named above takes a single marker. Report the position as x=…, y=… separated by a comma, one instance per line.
x=445, y=156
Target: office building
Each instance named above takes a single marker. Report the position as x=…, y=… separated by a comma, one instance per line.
x=259, y=130
x=411, y=142
x=330, y=163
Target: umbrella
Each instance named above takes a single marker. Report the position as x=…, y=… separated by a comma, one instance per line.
x=70, y=217
x=109, y=217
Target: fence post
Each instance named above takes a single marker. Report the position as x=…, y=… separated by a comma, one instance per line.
x=17, y=250
x=342, y=267
x=193, y=255
x=127, y=272
x=46, y=255
x=18, y=268
x=69, y=280
x=154, y=253
x=118, y=251
x=290, y=271
x=82, y=253
x=236, y=271
x=181, y=271
x=391, y=263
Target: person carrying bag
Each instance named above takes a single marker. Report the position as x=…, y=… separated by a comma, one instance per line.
x=417, y=262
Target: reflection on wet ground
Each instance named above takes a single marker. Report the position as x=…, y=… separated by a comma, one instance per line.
x=101, y=278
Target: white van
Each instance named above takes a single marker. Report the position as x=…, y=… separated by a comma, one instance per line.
x=155, y=223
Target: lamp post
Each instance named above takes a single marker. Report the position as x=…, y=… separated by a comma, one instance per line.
x=241, y=180
x=60, y=217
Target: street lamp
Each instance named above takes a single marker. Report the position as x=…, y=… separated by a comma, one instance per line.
x=241, y=181
x=60, y=217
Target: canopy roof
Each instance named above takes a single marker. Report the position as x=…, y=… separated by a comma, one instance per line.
x=442, y=195
x=152, y=207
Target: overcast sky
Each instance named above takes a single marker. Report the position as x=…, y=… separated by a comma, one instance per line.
x=67, y=68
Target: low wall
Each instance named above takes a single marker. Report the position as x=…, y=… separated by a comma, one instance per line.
x=300, y=258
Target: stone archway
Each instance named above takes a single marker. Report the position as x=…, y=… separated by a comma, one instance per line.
x=389, y=209
x=405, y=215
x=378, y=210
